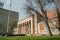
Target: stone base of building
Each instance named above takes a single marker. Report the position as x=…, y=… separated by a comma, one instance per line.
x=40, y=34
x=29, y=34
x=37, y=35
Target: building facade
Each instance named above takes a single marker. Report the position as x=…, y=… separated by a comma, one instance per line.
x=35, y=24
x=25, y=26
x=4, y=19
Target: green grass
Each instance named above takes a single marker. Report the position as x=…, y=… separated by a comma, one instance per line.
x=31, y=38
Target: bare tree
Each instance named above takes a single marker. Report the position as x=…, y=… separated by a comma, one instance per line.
x=37, y=7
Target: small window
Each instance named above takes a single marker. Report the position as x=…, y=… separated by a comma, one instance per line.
x=41, y=26
x=50, y=1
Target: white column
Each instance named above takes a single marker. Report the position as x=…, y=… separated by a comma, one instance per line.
x=32, y=25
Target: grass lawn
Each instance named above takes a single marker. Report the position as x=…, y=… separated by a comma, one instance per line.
x=31, y=38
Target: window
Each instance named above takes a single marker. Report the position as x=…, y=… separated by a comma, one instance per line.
x=0, y=25
x=50, y=1
x=41, y=26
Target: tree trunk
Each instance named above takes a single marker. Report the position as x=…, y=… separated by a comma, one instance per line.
x=45, y=18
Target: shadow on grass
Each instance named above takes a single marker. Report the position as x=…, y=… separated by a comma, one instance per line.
x=52, y=39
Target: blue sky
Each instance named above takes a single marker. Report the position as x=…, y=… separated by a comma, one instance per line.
x=17, y=5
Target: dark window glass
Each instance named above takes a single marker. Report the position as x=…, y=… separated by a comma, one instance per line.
x=50, y=1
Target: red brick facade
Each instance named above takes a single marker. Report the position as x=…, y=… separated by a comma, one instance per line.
x=51, y=14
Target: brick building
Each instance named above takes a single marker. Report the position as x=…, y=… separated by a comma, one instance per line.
x=36, y=26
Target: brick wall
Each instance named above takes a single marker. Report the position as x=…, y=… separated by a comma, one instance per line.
x=52, y=14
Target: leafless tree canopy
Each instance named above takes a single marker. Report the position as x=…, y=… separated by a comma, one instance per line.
x=37, y=6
